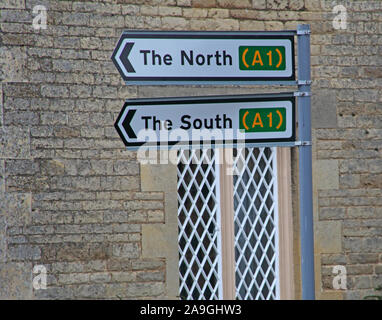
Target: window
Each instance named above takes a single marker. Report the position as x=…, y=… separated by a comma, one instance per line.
x=228, y=225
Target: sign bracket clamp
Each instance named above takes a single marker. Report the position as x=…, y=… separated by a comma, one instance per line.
x=304, y=82
x=302, y=94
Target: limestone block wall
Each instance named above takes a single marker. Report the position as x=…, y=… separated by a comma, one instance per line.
x=104, y=226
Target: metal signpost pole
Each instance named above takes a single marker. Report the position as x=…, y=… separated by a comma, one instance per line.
x=305, y=163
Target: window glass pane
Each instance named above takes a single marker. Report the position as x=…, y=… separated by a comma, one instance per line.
x=198, y=235
x=255, y=206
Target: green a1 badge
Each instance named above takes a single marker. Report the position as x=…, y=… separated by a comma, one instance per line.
x=262, y=119
x=262, y=58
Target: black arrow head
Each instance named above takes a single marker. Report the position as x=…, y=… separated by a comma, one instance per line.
x=126, y=124
x=120, y=56
x=124, y=57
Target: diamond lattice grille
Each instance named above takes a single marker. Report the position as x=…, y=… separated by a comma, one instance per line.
x=198, y=218
x=255, y=223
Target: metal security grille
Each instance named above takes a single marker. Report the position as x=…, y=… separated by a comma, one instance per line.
x=198, y=221
x=255, y=224
x=255, y=220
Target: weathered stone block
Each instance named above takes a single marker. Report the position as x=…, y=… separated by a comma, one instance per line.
x=123, y=276
x=333, y=259
x=377, y=281
x=95, y=265
x=148, y=195
x=155, y=216
x=250, y=25
x=75, y=18
x=359, y=269
x=66, y=252
x=361, y=282
x=67, y=65
x=124, y=227
x=175, y=23
x=54, y=91
x=23, y=252
x=145, y=289
x=116, y=216
x=15, y=71
x=328, y=236
x=67, y=267
x=259, y=4
x=336, y=213
x=88, y=217
x=195, y=13
x=53, y=118
x=67, y=42
x=97, y=20
x=296, y=4
x=378, y=269
x=119, y=237
x=277, y=4
x=100, y=277
x=350, y=180
x=2, y=176
x=273, y=25
x=143, y=205
x=234, y=3
x=73, y=278
x=151, y=276
x=326, y=174
x=130, y=9
x=367, y=245
x=324, y=109
x=16, y=280
x=170, y=11
x=184, y=3
x=91, y=291
x=203, y=3
x=135, y=289
x=353, y=295
x=12, y=4
x=371, y=180
x=126, y=250
x=360, y=258
x=22, y=90
x=127, y=183
x=354, y=166
x=367, y=95
x=218, y=13
x=361, y=212
x=21, y=167
x=16, y=207
x=147, y=264
x=104, y=92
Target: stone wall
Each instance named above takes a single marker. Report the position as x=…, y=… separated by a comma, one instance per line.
x=73, y=200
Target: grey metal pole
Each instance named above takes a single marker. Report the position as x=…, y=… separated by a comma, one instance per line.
x=305, y=163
